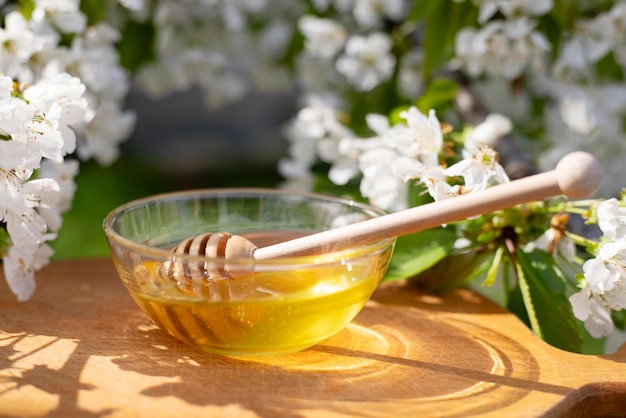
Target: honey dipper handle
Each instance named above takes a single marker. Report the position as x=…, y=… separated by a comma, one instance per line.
x=577, y=175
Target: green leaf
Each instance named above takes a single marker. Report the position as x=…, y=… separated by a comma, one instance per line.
x=26, y=8
x=324, y=185
x=435, y=35
x=515, y=304
x=456, y=269
x=492, y=273
x=137, y=44
x=95, y=10
x=607, y=68
x=549, y=26
x=439, y=95
x=544, y=292
x=422, y=9
x=619, y=319
x=418, y=194
x=394, y=115
x=443, y=19
x=415, y=253
x=5, y=240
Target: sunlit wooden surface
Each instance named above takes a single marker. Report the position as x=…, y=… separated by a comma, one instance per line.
x=81, y=348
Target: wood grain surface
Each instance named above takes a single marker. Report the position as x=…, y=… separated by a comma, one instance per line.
x=81, y=348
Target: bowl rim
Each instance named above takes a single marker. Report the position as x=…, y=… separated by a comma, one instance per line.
x=159, y=253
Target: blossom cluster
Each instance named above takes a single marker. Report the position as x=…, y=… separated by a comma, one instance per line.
x=350, y=49
x=211, y=45
x=35, y=125
x=56, y=100
x=604, y=287
x=396, y=154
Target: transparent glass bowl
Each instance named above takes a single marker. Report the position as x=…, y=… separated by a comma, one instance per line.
x=277, y=306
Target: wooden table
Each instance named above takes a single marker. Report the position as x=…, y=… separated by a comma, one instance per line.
x=81, y=348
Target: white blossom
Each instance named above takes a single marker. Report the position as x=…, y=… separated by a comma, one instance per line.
x=595, y=37
x=27, y=229
x=437, y=184
x=604, y=272
x=56, y=103
x=17, y=44
x=323, y=37
x=63, y=174
x=511, y=8
x=367, y=61
x=349, y=150
x=410, y=81
x=577, y=114
x=551, y=241
x=571, y=61
x=41, y=121
x=109, y=126
x=504, y=48
x=62, y=15
x=399, y=153
x=515, y=104
x=407, y=168
x=617, y=16
x=494, y=127
x=318, y=78
x=275, y=38
x=342, y=6
x=372, y=13
x=379, y=185
x=612, y=219
x=593, y=312
x=139, y=8
x=20, y=265
x=234, y=12
x=433, y=177
x=19, y=201
x=420, y=137
x=480, y=169
x=96, y=65
x=316, y=131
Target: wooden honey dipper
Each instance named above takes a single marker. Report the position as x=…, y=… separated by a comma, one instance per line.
x=577, y=175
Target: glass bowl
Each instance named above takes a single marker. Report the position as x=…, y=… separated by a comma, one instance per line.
x=275, y=306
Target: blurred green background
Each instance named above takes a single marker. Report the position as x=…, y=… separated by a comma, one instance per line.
x=178, y=144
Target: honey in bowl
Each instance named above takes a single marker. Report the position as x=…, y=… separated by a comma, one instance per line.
x=285, y=304
x=272, y=311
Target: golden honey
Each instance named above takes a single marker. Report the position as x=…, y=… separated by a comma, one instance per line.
x=264, y=313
